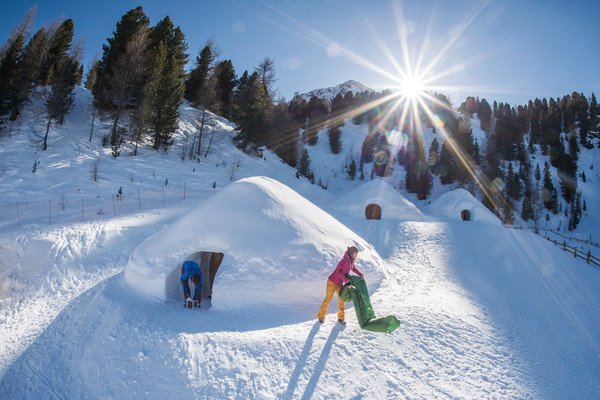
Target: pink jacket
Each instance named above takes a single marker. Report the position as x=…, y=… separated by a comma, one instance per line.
x=338, y=276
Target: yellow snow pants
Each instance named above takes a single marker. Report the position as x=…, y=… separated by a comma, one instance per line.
x=331, y=289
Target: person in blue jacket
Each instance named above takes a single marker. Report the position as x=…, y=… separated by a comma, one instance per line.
x=190, y=270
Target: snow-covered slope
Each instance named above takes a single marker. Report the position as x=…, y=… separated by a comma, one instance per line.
x=330, y=92
x=486, y=312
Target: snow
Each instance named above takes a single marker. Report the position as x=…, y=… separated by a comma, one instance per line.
x=486, y=312
x=450, y=205
x=267, y=232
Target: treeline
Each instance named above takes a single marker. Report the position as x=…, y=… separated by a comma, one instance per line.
x=48, y=59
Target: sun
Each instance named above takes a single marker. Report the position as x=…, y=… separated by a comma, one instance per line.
x=412, y=87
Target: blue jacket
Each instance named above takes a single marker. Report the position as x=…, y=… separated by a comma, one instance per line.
x=190, y=269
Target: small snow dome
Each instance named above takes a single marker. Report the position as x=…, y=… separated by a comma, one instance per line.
x=272, y=244
x=378, y=198
x=459, y=205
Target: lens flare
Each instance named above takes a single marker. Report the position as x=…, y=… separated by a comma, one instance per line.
x=381, y=158
x=497, y=185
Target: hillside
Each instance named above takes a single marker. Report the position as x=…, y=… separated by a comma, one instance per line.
x=486, y=311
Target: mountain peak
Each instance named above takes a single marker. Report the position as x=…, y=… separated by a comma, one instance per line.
x=330, y=92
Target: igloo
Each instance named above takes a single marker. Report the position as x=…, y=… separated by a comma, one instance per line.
x=275, y=246
x=378, y=198
x=452, y=205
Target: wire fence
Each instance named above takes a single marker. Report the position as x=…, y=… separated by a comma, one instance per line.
x=562, y=243
x=71, y=208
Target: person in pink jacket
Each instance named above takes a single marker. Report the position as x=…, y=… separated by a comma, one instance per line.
x=335, y=281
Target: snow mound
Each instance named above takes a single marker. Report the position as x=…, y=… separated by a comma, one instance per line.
x=393, y=204
x=451, y=204
x=278, y=247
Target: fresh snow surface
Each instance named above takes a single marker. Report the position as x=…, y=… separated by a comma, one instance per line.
x=450, y=204
x=487, y=312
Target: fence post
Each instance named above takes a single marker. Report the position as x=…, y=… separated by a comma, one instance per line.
x=82, y=211
x=184, y=190
x=575, y=251
x=113, y=201
x=163, y=194
x=589, y=254
x=18, y=223
x=49, y=212
x=139, y=199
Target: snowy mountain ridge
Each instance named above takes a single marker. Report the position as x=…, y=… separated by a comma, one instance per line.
x=330, y=92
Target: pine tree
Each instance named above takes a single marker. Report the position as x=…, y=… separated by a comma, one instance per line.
x=594, y=117
x=434, y=156
x=284, y=134
x=335, y=137
x=11, y=55
x=514, y=185
x=266, y=72
x=352, y=172
x=476, y=153
x=225, y=87
x=252, y=112
x=317, y=113
x=549, y=194
x=58, y=48
x=61, y=98
x=125, y=47
x=28, y=69
x=128, y=70
x=508, y=212
x=527, y=211
x=583, y=120
x=92, y=74
x=167, y=44
x=197, y=89
x=538, y=174
x=447, y=166
x=304, y=166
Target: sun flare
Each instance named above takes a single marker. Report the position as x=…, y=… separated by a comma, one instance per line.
x=412, y=88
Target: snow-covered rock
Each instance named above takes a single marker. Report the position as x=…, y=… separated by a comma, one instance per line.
x=278, y=246
x=451, y=204
x=343, y=88
x=393, y=204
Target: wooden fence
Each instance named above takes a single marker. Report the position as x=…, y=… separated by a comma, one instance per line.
x=562, y=243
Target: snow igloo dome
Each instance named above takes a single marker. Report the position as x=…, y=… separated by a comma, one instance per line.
x=275, y=246
x=453, y=204
x=391, y=203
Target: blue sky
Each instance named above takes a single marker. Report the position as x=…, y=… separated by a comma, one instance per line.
x=501, y=50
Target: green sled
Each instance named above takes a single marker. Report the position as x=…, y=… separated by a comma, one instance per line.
x=359, y=295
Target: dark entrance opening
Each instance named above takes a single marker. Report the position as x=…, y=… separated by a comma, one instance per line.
x=465, y=215
x=373, y=211
x=209, y=265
